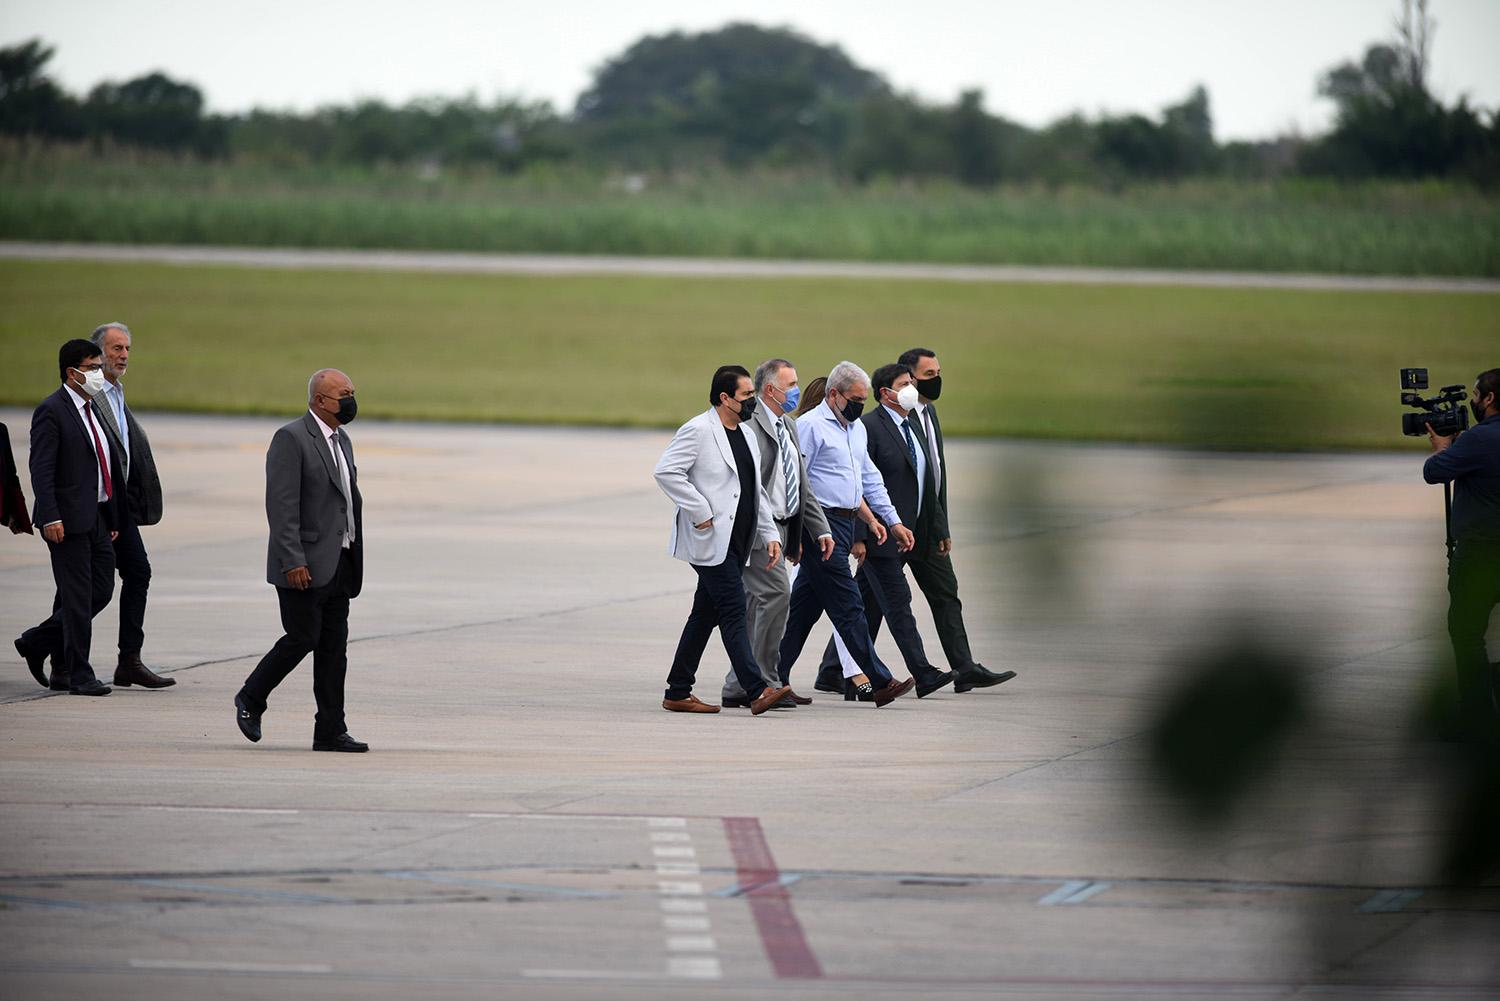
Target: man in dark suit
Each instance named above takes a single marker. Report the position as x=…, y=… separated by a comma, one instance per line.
x=75, y=475
x=901, y=456
x=315, y=558
x=934, y=570
x=142, y=506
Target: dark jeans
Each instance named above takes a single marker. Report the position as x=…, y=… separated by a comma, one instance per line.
x=83, y=567
x=316, y=622
x=1473, y=593
x=135, y=580
x=827, y=586
x=718, y=601
x=886, y=597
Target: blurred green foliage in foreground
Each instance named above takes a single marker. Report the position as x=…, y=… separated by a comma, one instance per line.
x=1428, y=228
x=1250, y=369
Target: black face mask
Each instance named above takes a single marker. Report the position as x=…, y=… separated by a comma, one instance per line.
x=747, y=408
x=852, y=409
x=932, y=388
x=347, y=410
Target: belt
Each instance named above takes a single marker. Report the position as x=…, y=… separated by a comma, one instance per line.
x=841, y=512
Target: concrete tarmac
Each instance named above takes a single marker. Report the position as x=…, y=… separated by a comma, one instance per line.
x=531, y=824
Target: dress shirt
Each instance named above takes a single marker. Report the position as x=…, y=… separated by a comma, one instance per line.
x=342, y=465
x=924, y=421
x=114, y=397
x=839, y=470
x=89, y=424
x=916, y=430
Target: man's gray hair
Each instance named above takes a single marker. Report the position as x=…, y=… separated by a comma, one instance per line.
x=846, y=375
x=98, y=335
x=767, y=369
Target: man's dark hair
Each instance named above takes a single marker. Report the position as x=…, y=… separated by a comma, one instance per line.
x=1487, y=383
x=911, y=356
x=72, y=353
x=886, y=375
x=726, y=380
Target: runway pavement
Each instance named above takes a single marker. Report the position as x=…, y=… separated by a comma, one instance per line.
x=457, y=262
x=530, y=823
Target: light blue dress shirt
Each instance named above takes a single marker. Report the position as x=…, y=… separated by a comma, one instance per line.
x=116, y=394
x=839, y=470
x=916, y=441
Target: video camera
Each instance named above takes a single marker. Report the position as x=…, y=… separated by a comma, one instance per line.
x=1446, y=413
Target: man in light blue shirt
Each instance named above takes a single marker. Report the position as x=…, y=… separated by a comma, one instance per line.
x=840, y=475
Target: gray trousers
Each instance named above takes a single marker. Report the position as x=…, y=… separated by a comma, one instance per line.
x=768, y=595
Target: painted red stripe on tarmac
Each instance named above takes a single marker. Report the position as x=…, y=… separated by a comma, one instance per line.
x=771, y=906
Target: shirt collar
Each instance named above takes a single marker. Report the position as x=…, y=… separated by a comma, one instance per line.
x=893, y=415
x=79, y=400
x=327, y=431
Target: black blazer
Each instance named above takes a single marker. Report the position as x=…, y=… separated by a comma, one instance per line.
x=142, y=483
x=65, y=468
x=888, y=451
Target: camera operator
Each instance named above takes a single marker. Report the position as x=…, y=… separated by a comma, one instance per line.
x=1471, y=460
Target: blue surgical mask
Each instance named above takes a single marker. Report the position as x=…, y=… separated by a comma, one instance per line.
x=793, y=396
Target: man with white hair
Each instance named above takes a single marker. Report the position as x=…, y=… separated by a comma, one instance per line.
x=840, y=475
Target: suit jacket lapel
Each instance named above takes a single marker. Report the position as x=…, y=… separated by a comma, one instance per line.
x=883, y=417
x=721, y=437
x=105, y=412
x=315, y=428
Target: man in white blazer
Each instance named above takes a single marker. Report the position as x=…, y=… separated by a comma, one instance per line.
x=711, y=471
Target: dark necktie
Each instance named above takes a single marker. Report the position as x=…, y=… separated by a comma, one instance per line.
x=911, y=444
x=109, y=487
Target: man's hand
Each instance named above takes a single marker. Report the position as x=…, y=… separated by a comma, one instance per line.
x=299, y=578
x=53, y=532
x=904, y=539
x=1438, y=441
x=706, y=524
x=825, y=543
x=774, y=548
x=858, y=552
x=945, y=547
x=878, y=530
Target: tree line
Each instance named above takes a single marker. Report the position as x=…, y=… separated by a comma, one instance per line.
x=748, y=97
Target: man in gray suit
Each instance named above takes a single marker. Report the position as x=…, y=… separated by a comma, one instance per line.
x=783, y=473
x=142, y=506
x=315, y=558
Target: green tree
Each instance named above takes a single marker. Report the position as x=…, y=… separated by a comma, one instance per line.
x=31, y=103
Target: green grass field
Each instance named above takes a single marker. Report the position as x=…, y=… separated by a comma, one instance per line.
x=1226, y=369
x=1398, y=229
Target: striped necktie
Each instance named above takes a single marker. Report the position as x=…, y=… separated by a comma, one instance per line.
x=788, y=469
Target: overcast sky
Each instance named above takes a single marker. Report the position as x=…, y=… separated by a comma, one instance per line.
x=1035, y=60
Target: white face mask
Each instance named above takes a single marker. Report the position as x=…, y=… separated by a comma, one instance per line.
x=906, y=397
x=93, y=381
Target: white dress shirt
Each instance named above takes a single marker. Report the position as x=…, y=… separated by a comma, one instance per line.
x=341, y=464
x=90, y=424
x=921, y=457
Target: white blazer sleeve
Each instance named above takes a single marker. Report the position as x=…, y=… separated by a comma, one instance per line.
x=672, y=474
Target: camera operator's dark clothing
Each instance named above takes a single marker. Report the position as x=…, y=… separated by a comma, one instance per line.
x=1472, y=462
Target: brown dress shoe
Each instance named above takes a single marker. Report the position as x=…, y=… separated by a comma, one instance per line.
x=893, y=691
x=691, y=704
x=799, y=699
x=767, y=699
x=132, y=672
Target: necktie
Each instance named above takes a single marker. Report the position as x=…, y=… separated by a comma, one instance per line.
x=937, y=462
x=346, y=486
x=911, y=444
x=109, y=487
x=788, y=469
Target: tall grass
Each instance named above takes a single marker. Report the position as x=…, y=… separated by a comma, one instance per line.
x=1399, y=229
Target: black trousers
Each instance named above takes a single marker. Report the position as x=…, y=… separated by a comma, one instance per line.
x=316, y=622
x=827, y=586
x=135, y=580
x=887, y=597
x=1473, y=593
x=83, y=567
x=718, y=602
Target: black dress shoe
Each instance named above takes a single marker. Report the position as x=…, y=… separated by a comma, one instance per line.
x=343, y=742
x=132, y=672
x=785, y=702
x=249, y=722
x=735, y=701
x=979, y=676
x=932, y=679
x=36, y=662
x=829, y=680
x=58, y=685
x=94, y=687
